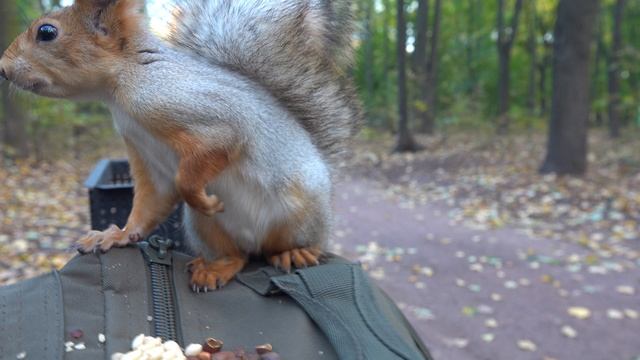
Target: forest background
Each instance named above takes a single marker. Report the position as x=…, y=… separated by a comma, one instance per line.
x=466, y=65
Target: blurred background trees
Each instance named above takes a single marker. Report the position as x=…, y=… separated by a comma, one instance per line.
x=432, y=67
x=14, y=124
x=553, y=68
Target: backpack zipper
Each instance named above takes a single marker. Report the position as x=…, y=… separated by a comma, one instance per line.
x=156, y=251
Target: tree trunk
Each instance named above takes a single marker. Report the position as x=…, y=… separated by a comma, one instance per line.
x=505, y=44
x=542, y=85
x=14, y=123
x=426, y=69
x=472, y=15
x=601, y=54
x=422, y=27
x=387, y=65
x=614, y=71
x=532, y=47
x=504, y=80
x=573, y=34
x=405, y=142
x=632, y=35
x=544, y=64
x=368, y=54
x=502, y=63
x=543, y=76
x=431, y=86
x=419, y=60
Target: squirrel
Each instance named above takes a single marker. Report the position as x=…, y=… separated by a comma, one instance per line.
x=239, y=111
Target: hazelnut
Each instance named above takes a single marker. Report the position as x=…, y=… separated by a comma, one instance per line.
x=212, y=345
x=263, y=349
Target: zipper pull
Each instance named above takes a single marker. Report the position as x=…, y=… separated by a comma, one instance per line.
x=156, y=250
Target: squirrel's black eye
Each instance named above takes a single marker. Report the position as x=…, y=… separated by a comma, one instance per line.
x=47, y=32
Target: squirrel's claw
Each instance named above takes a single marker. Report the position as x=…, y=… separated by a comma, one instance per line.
x=103, y=241
x=212, y=275
x=298, y=258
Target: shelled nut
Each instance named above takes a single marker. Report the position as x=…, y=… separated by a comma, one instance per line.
x=212, y=345
x=263, y=349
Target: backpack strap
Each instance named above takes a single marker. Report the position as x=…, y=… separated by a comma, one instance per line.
x=337, y=328
x=357, y=319
x=259, y=278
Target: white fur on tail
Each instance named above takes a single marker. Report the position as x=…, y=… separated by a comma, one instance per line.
x=293, y=48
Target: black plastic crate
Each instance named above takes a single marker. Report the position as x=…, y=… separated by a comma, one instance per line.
x=111, y=196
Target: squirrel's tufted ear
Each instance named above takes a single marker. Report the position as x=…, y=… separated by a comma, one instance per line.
x=111, y=16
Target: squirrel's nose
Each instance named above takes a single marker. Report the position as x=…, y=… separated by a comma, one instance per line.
x=3, y=75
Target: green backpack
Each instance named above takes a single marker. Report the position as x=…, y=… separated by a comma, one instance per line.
x=97, y=304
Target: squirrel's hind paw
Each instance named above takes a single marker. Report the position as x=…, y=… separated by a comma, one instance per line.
x=213, y=275
x=300, y=258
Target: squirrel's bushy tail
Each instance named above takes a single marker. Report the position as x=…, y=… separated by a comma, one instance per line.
x=296, y=49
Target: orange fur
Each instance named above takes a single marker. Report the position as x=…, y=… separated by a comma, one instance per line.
x=201, y=159
x=280, y=238
x=279, y=246
x=215, y=236
x=211, y=275
x=149, y=207
x=199, y=165
x=300, y=258
x=92, y=45
x=118, y=18
x=230, y=260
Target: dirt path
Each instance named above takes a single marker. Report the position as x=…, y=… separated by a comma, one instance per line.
x=498, y=294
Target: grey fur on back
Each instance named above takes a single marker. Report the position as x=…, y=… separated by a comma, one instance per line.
x=296, y=49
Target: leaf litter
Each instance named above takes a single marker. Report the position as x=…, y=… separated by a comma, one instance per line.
x=490, y=183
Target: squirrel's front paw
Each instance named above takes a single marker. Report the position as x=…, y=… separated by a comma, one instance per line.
x=105, y=240
x=210, y=206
